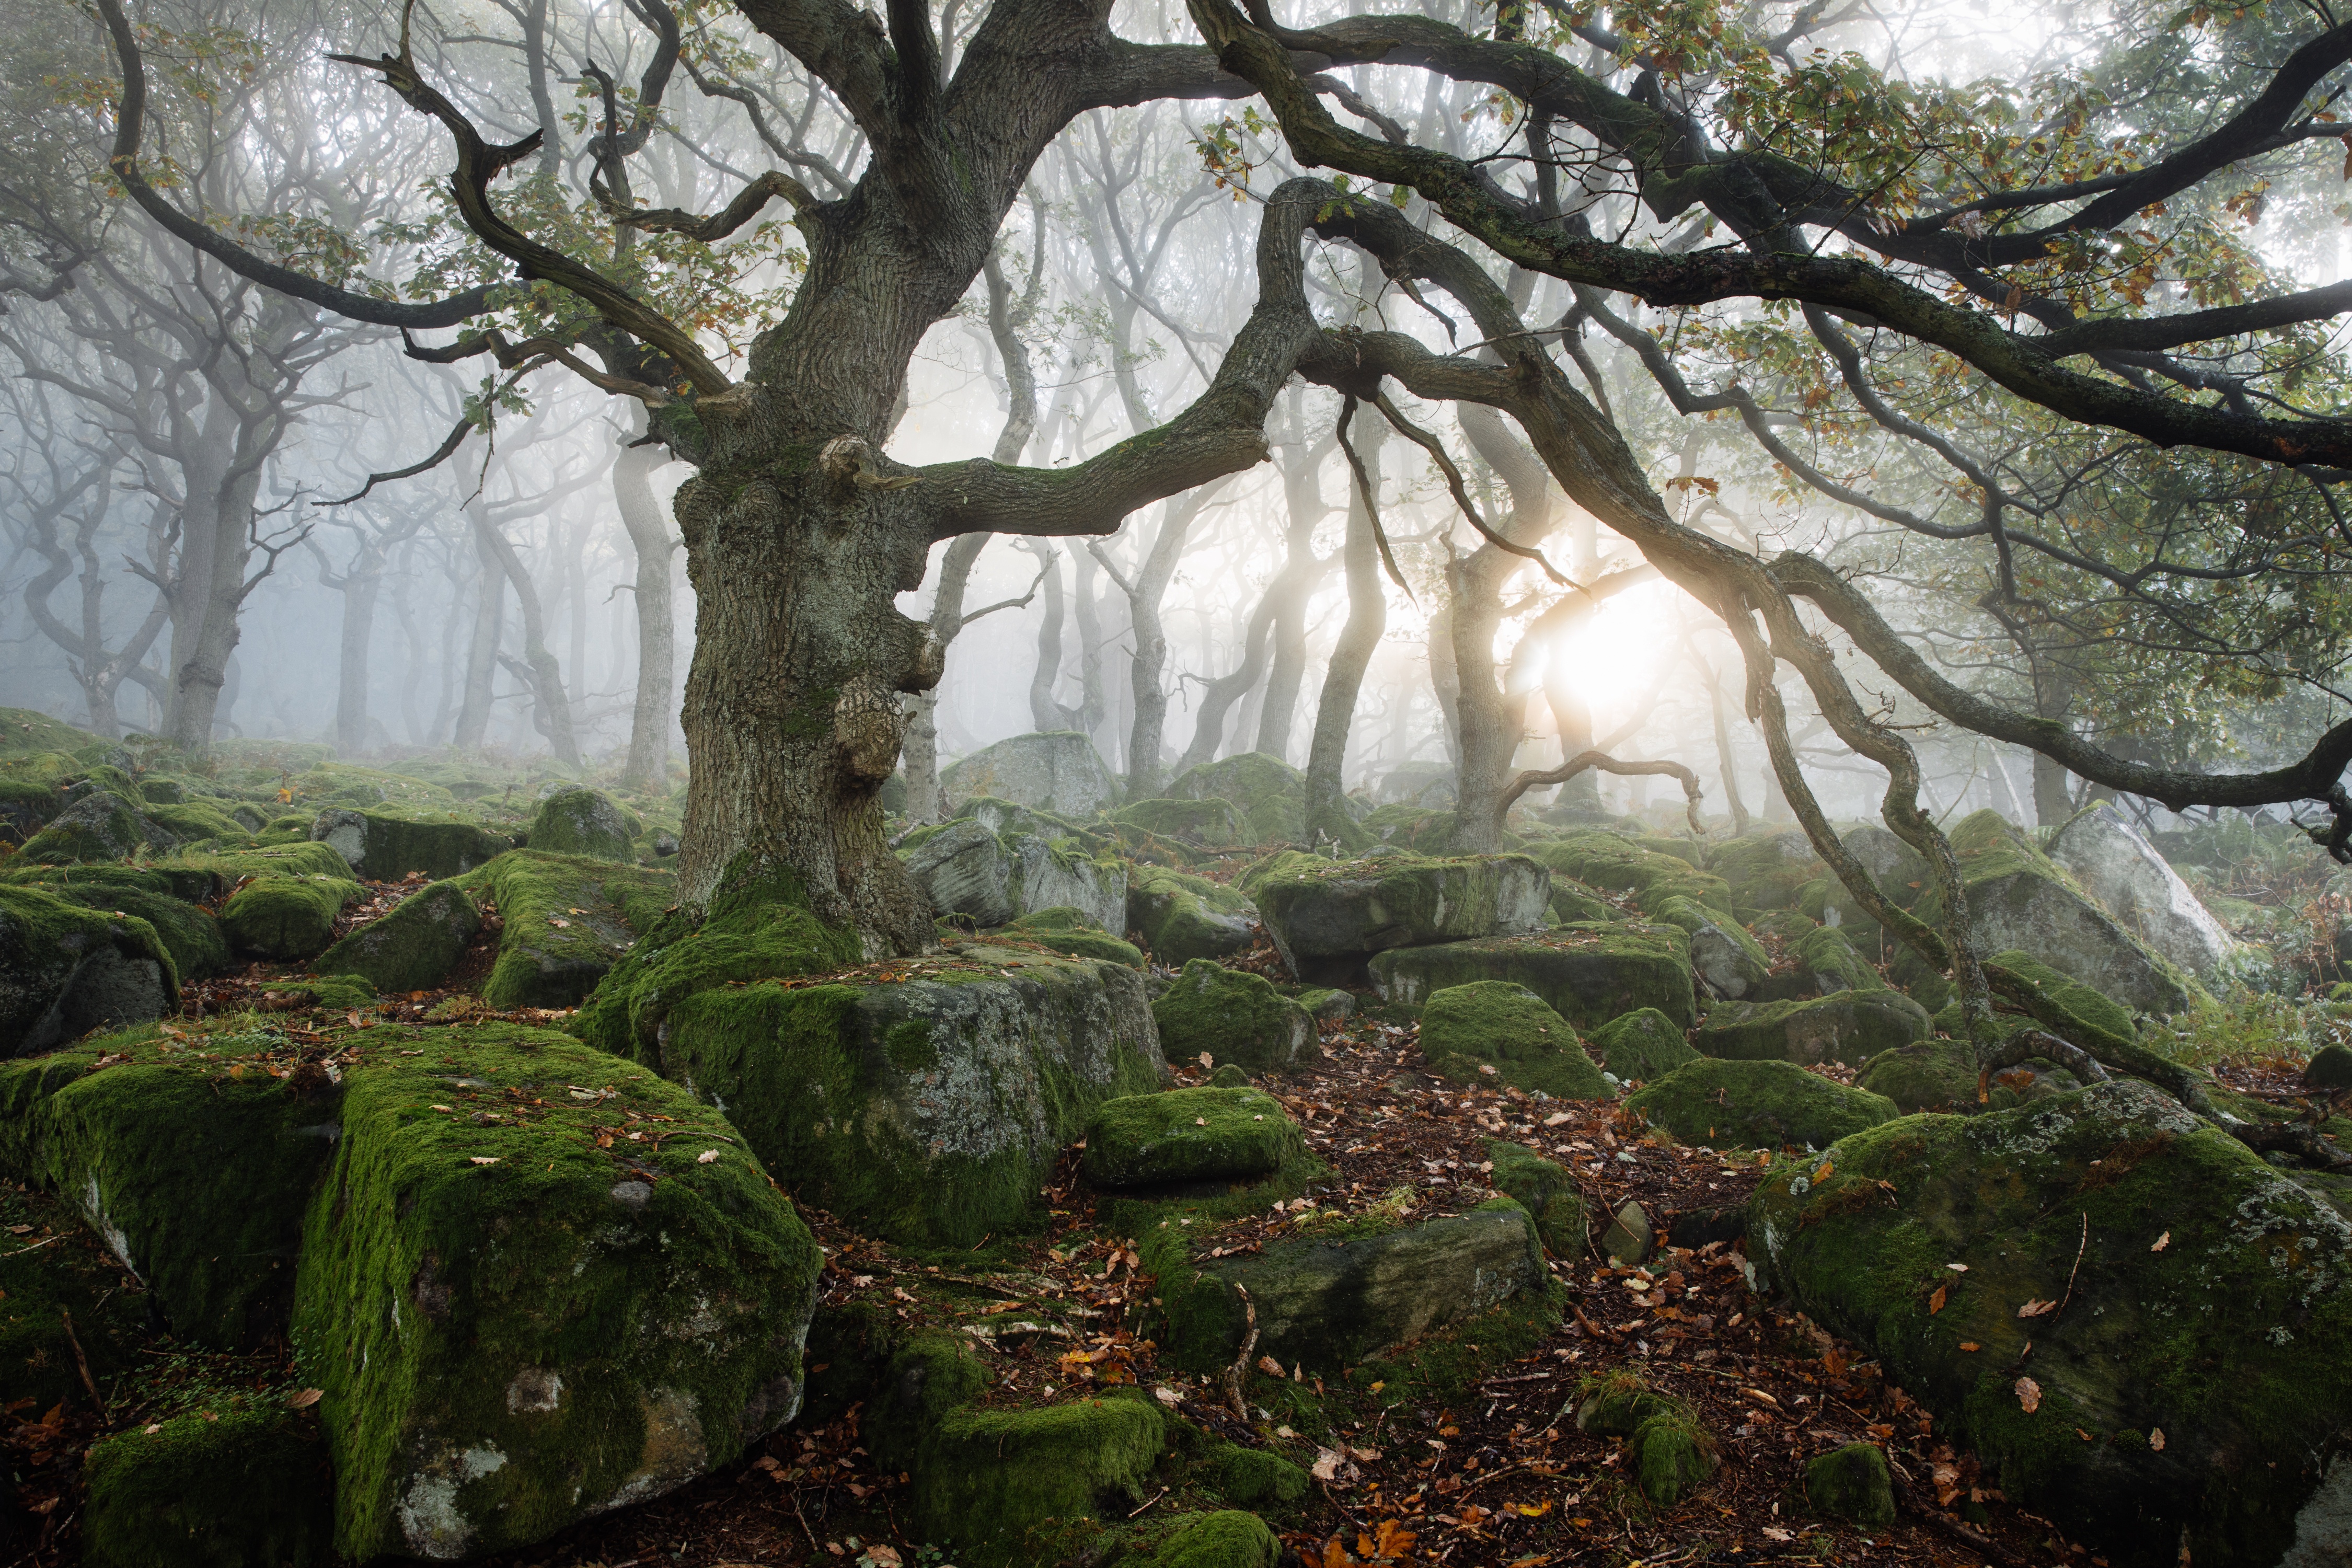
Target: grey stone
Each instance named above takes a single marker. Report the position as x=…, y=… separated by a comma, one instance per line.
x=1057, y=771
x=576, y=821
x=1317, y=909
x=1050, y=878
x=1723, y=954
x=2135, y=884
x=964, y=870
x=1849, y=1027
x=1182, y=917
x=1629, y=1238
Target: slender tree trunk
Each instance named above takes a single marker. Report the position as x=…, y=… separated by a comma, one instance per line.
x=220, y=483
x=552, y=716
x=922, y=744
x=482, y=652
x=1218, y=696
x=404, y=612
x=1723, y=758
x=363, y=583
x=1446, y=683
x=1491, y=726
x=1146, y=735
x=1045, y=712
x=1094, y=701
x=656, y=707
x=1352, y=655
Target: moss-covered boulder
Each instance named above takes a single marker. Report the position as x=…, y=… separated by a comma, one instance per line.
x=1052, y=874
x=585, y=822
x=1545, y=1189
x=1828, y=961
x=1228, y=1538
x=2113, y=863
x=1270, y=795
x=1670, y=1456
x=1938, y=1073
x=1210, y=824
x=2329, y=1070
x=2189, y=1311
x=963, y=868
x=1767, y=870
x=567, y=921
x=1852, y=1483
x=1651, y=871
x=413, y=946
x=1233, y=1017
x=1849, y=1027
x=1496, y=1032
x=25, y=807
x=2019, y=898
x=1757, y=1105
x=1075, y=933
x=1182, y=917
x=1331, y=915
x=1573, y=902
x=188, y=930
x=98, y=823
x=1329, y=1303
x=1589, y=974
x=926, y=1107
x=1057, y=770
x=286, y=918
x=1726, y=959
x=66, y=969
x=249, y=1486
x=1014, y=1486
x=1190, y=1135
x=383, y=847
x=204, y=873
x=1640, y=1045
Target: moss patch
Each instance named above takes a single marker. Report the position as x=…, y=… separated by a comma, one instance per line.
x=1206, y=1135
x=1757, y=1105
x=1075, y=933
x=1640, y=1045
x=1182, y=917
x=1233, y=1017
x=1492, y=1031
x=568, y=920
x=585, y=822
x=200, y=1489
x=1587, y=973
x=1849, y=1027
x=413, y=946
x=1545, y=1189
x=286, y=918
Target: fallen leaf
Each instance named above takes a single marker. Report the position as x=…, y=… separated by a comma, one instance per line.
x=305, y=1399
x=2162, y=1242
x=2037, y=1308
x=1164, y=1394
x=1957, y=1267
x=2155, y=1440
x=1271, y=1367
x=483, y=1158
x=1772, y=1534
x=707, y=1157
x=1935, y=1302
x=437, y=1107
x=2029, y=1394
x=1326, y=1465
x=554, y=921
x=1970, y=1345
x=1199, y=1121
x=1207, y=1060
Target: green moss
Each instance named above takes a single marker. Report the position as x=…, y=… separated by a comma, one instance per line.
x=1508, y=1032
x=328, y=992
x=2085, y=1002
x=1614, y=1404
x=192, y=934
x=285, y=918
x=195, y=819
x=1025, y=1485
x=384, y=847
x=61, y=1272
x=1182, y=917
x=1075, y=933
x=102, y=823
x=209, y=1490
x=415, y=945
x=1934, y=1074
x=66, y=969
x=758, y=926
x=1024, y=1048
x=1206, y=1135
x=1546, y=1190
x=25, y=807
x=568, y=920
x=1609, y=860
x=1270, y=795
x=1334, y=912
x=1589, y=974
x=1228, y=1540
x=1671, y=1457
x=203, y=874
x=1756, y=1105
x=1852, y=1483
x=514, y=1326
x=1640, y=1045
x=1824, y=953
x=1572, y=902
x=1213, y=822
x=1849, y=1026
x=1231, y=1016
x=589, y=823
x=1254, y=1476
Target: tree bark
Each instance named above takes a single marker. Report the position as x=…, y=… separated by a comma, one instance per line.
x=1490, y=729
x=551, y=710
x=1352, y=655
x=489, y=632
x=1046, y=712
x=655, y=705
x=1145, y=740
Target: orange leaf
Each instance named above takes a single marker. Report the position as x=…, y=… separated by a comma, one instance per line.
x=2029, y=1394
x=1935, y=1302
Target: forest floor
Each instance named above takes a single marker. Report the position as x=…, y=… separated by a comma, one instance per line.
x=1498, y=1474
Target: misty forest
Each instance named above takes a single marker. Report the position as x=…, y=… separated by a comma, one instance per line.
x=1253, y=783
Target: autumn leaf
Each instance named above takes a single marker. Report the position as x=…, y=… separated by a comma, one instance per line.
x=2155, y=1439
x=1271, y=1367
x=707, y=1157
x=305, y=1399
x=2029, y=1394
x=2162, y=1242
x=1325, y=1466
x=1772, y=1534
x=483, y=1158
x=1935, y=1302
x=2037, y=1308
x=1970, y=1345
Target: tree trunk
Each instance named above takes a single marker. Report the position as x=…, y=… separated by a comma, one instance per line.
x=1146, y=735
x=1218, y=697
x=656, y=708
x=1723, y=758
x=482, y=651
x=947, y=620
x=361, y=584
x=221, y=480
x=1491, y=725
x=1094, y=701
x=1352, y=655
x=1045, y=712
x=1280, y=705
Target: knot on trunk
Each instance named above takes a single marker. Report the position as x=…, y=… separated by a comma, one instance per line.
x=850, y=463
x=930, y=662
x=866, y=726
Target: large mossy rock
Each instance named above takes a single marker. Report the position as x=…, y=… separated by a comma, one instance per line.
x=1827, y=961
x=582, y=1319
x=66, y=969
x=1269, y=793
x=1061, y=874
x=1182, y=917
x=1938, y=1073
x=994, y=875
x=1652, y=870
x=1848, y=1026
x=1056, y=770
x=1190, y=1135
x=1546, y=1190
x=1730, y=963
x=286, y=917
x=584, y=823
x=1494, y=1032
x=1073, y=932
x=1767, y=870
x=2122, y=870
x=188, y=930
x=1587, y=973
x=1640, y=1046
x=1227, y=1538
x=2202, y=1295
x=1756, y=1105
x=98, y=823
x=926, y=1108
x=2018, y=898
x=1233, y=1017
x=1327, y=1304
x=568, y=920
x=383, y=847
x=200, y=1489
x=1211, y=824
x=413, y=946
x=1331, y=915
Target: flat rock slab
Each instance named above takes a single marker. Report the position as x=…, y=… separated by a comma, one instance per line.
x=1848, y=1026
x=1326, y=1304
x=1319, y=911
x=1756, y=1105
x=383, y=847
x=1184, y=1135
x=1589, y=974
x=925, y=1101
x=2169, y=1280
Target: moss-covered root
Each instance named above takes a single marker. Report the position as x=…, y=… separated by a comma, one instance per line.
x=1852, y=1483
x=66, y=969
x=1233, y=1017
x=207, y=1490
x=1497, y=1031
x=1545, y=1189
x=1207, y=1134
x=520, y=1319
x=414, y=946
